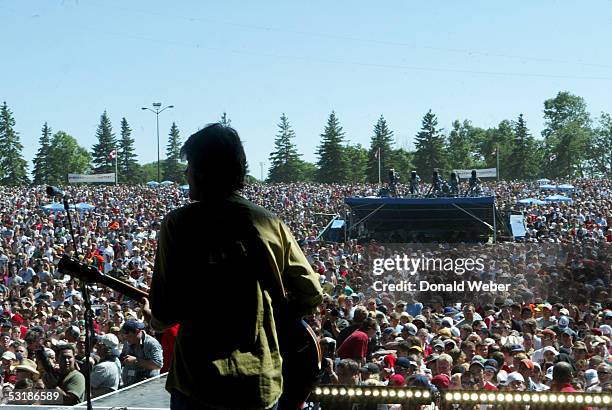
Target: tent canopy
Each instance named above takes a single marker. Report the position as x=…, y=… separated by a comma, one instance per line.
x=566, y=187
x=543, y=181
x=152, y=183
x=548, y=187
x=558, y=198
x=166, y=183
x=531, y=201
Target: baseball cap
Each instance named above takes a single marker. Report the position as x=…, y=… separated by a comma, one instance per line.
x=130, y=326
x=563, y=322
x=411, y=329
x=371, y=368
x=515, y=377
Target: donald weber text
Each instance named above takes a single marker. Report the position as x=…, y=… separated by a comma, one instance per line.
x=455, y=286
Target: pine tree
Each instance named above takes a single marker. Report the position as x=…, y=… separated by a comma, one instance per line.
x=41, y=161
x=225, y=121
x=522, y=163
x=102, y=158
x=284, y=160
x=128, y=166
x=429, y=143
x=332, y=162
x=13, y=168
x=380, y=144
x=172, y=167
x=460, y=149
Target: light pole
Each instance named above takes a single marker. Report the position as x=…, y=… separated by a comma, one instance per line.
x=157, y=110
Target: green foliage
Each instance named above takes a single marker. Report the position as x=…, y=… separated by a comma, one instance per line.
x=430, y=147
x=172, y=166
x=567, y=135
x=600, y=158
x=127, y=165
x=523, y=162
x=402, y=161
x=492, y=141
x=13, y=168
x=382, y=142
x=357, y=159
x=333, y=166
x=101, y=155
x=308, y=171
x=284, y=160
x=66, y=157
x=460, y=149
x=41, y=161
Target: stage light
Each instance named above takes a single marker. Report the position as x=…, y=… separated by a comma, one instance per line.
x=401, y=394
x=607, y=399
x=334, y=392
x=351, y=392
x=579, y=399
x=588, y=399
x=597, y=400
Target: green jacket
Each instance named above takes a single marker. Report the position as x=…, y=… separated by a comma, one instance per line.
x=217, y=267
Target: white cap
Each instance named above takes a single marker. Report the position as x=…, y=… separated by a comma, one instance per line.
x=515, y=377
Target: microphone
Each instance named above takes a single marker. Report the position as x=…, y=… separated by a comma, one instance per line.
x=55, y=191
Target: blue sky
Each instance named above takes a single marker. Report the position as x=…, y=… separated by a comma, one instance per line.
x=66, y=61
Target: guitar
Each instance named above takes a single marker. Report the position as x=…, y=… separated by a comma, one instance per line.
x=299, y=344
x=302, y=357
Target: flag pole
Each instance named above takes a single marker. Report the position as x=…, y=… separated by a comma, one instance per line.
x=379, y=166
x=116, y=166
x=497, y=156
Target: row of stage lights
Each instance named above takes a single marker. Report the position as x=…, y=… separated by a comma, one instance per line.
x=423, y=396
x=524, y=398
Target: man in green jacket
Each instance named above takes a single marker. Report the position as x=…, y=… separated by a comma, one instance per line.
x=220, y=263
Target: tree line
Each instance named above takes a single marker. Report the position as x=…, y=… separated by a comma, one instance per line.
x=59, y=154
x=571, y=145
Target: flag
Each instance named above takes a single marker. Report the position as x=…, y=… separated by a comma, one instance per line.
x=494, y=152
x=112, y=154
x=377, y=153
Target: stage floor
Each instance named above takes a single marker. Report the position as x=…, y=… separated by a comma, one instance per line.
x=147, y=395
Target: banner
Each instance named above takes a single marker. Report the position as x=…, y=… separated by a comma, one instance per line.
x=83, y=178
x=481, y=173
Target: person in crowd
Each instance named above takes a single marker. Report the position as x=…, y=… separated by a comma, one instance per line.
x=141, y=356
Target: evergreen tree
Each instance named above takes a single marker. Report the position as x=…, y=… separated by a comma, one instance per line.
x=225, y=121
x=332, y=162
x=41, y=161
x=13, y=168
x=380, y=144
x=128, y=166
x=285, y=160
x=357, y=159
x=173, y=171
x=460, y=148
x=430, y=144
x=522, y=163
x=102, y=159
x=65, y=157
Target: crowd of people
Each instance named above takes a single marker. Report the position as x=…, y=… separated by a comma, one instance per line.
x=552, y=327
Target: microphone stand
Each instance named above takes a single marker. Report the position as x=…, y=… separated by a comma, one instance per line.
x=89, y=329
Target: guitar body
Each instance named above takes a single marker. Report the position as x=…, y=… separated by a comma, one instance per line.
x=301, y=355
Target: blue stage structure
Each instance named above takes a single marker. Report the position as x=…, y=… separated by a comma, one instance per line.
x=448, y=219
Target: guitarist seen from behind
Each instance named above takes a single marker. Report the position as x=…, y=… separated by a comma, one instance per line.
x=241, y=261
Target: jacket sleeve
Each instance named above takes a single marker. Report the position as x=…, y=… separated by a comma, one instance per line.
x=300, y=281
x=161, y=295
